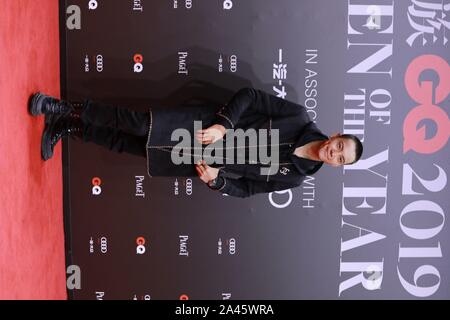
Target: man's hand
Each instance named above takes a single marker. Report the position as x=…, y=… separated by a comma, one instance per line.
x=211, y=134
x=205, y=172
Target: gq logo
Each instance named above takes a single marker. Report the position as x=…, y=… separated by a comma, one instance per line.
x=228, y=4
x=140, y=249
x=138, y=66
x=93, y=4
x=96, y=189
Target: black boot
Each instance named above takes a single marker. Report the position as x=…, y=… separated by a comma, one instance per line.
x=44, y=104
x=61, y=125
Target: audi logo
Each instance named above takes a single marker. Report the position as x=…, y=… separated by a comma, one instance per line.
x=188, y=187
x=232, y=246
x=103, y=244
x=233, y=63
x=99, y=63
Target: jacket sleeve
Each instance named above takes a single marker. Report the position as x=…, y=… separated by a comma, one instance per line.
x=259, y=101
x=244, y=187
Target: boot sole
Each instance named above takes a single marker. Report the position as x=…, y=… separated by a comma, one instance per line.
x=46, y=148
x=46, y=152
x=35, y=107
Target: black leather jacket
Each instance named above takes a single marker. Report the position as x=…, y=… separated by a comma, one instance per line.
x=295, y=129
x=248, y=108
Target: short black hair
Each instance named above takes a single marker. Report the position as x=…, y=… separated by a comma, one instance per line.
x=358, y=146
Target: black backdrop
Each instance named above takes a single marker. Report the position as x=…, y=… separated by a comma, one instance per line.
x=307, y=242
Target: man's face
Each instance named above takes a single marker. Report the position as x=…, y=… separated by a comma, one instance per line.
x=337, y=151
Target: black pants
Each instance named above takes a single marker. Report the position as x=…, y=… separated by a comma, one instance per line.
x=117, y=128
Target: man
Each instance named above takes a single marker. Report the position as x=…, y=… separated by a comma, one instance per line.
x=302, y=147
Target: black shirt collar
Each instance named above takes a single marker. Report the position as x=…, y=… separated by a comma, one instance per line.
x=309, y=133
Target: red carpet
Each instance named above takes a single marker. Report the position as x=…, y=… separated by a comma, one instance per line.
x=32, y=263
